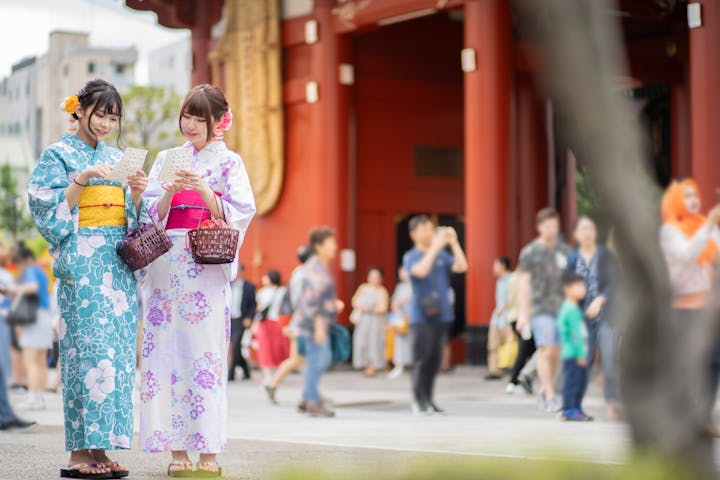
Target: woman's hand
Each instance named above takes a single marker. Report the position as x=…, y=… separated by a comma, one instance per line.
x=714, y=215
x=595, y=306
x=320, y=335
x=339, y=306
x=9, y=290
x=98, y=171
x=137, y=183
x=192, y=181
x=173, y=188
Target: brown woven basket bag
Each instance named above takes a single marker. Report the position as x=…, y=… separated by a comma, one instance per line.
x=143, y=245
x=214, y=241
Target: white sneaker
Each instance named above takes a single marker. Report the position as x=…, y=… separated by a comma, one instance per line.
x=510, y=388
x=395, y=373
x=32, y=405
x=419, y=412
x=542, y=402
x=554, y=405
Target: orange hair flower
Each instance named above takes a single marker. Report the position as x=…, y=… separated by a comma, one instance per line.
x=675, y=213
x=71, y=103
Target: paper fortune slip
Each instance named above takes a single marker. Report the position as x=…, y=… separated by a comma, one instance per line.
x=175, y=160
x=131, y=161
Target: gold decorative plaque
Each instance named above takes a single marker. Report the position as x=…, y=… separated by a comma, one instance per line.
x=247, y=64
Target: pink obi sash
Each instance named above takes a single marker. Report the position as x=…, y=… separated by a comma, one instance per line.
x=187, y=210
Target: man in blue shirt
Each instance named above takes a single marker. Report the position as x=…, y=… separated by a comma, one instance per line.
x=430, y=266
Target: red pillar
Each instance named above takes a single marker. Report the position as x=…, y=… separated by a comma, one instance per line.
x=532, y=155
x=487, y=148
x=200, y=39
x=680, y=130
x=705, y=100
x=330, y=132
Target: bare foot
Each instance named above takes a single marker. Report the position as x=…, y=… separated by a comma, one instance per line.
x=90, y=464
x=101, y=457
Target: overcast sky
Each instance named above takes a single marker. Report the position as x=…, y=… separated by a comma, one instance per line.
x=27, y=23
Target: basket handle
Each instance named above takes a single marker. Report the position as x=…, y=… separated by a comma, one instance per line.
x=219, y=208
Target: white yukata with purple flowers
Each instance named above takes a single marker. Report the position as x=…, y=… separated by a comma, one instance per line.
x=186, y=306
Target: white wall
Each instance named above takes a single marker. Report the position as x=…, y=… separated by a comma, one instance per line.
x=171, y=66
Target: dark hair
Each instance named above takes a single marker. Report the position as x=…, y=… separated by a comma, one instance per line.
x=546, y=214
x=318, y=236
x=22, y=253
x=274, y=277
x=103, y=97
x=376, y=269
x=571, y=278
x=581, y=217
x=505, y=261
x=207, y=102
x=416, y=221
x=303, y=253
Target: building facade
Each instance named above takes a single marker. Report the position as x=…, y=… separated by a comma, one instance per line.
x=170, y=66
x=395, y=107
x=19, y=92
x=68, y=64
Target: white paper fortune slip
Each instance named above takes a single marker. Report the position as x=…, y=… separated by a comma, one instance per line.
x=175, y=160
x=131, y=161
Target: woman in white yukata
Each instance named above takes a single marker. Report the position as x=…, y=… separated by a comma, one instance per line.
x=186, y=306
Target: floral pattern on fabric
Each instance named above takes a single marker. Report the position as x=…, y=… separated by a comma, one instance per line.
x=187, y=311
x=97, y=297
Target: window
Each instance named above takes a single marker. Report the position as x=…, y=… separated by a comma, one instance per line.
x=91, y=67
x=436, y=161
x=119, y=69
x=66, y=70
x=27, y=88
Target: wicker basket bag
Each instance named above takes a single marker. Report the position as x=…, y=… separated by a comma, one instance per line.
x=214, y=241
x=143, y=245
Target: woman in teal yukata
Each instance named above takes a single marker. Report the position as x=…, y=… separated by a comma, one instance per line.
x=84, y=218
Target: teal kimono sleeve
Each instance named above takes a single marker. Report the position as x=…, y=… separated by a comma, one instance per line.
x=46, y=198
x=135, y=216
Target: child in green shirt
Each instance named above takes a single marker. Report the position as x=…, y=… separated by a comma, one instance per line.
x=573, y=348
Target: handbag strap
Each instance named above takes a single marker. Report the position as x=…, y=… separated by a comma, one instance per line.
x=219, y=206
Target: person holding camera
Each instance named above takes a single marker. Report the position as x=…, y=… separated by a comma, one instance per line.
x=430, y=266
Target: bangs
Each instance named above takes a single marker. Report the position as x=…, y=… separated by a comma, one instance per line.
x=109, y=102
x=198, y=105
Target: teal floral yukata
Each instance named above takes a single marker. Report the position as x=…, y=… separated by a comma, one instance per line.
x=97, y=296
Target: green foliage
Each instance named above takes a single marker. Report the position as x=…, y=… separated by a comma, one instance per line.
x=14, y=217
x=649, y=468
x=38, y=245
x=588, y=201
x=150, y=120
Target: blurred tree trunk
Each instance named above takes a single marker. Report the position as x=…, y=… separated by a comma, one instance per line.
x=663, y=362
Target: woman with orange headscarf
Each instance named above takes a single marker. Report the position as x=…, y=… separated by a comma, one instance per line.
x=689, y=241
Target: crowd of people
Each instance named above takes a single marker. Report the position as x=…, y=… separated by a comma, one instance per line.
x=202, y=320
x=556, y=307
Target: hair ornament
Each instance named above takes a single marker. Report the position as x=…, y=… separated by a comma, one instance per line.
x=70, y=104
x=226, y=121
x=224, y=125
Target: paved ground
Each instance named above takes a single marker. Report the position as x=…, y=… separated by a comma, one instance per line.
x=373, y=427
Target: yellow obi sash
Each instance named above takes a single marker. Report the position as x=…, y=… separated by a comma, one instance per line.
x=102, y=206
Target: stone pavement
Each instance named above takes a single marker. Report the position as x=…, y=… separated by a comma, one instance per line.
x=373, y=426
